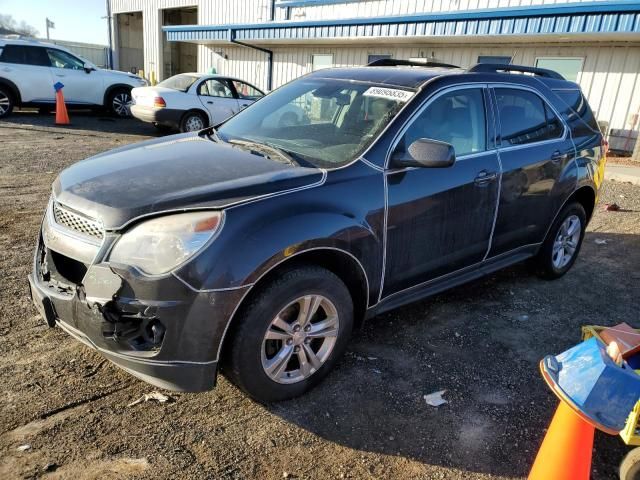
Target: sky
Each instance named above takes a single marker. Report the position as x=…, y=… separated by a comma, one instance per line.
x=78, y=20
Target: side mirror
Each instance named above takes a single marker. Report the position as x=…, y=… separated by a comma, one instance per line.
x=88, y=67
x=425, y=153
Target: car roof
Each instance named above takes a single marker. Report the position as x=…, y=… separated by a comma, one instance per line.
x=401, y=76
x=31, y=42
x=416, y=76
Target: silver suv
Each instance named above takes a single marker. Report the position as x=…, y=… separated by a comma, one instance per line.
x=29, y=69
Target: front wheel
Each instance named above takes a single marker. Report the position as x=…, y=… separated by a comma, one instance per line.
x=290, y=335
x=630, y=466
x=562, y=245
x=119, y=103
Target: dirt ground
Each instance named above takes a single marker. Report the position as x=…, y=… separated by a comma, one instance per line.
x=481, y=343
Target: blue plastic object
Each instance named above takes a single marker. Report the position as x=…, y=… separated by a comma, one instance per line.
x=58, y=86
x=601, y=391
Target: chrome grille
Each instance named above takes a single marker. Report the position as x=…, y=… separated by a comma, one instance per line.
x=76, y=222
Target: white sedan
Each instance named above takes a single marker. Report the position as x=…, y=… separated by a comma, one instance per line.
x=192, y=101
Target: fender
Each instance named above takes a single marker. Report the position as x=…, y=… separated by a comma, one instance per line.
x=14, y=88
x=259, y=235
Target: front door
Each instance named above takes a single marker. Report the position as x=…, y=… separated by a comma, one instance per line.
x=79, y=86
x=217, y=97
x=439, y=220
x=535, y=149
x=28, y=67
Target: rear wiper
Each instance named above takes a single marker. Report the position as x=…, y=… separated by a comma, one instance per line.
x=265, y=150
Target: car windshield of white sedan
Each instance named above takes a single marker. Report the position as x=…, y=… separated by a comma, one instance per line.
x=324, y=122
x=180, y=82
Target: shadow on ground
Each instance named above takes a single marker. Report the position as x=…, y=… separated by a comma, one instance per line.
x=85, y=120
x=481, y=343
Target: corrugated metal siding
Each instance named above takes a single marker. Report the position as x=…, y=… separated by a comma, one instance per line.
x=610, y=77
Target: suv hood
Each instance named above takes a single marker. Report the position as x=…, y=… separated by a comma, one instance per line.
x=172, y=173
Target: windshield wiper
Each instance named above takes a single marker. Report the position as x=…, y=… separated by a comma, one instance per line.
x=212, y=134
x=265, y=149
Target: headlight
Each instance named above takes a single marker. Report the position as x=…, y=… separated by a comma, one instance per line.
x=160, y=245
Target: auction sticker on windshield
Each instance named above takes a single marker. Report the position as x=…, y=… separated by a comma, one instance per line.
x=390, y=93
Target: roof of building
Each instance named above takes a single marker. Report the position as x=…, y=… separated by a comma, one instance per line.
x=620, y=17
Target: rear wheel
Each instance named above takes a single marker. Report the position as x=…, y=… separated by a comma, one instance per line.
x=290, y=335
x=562, y=245
x=630, y=466
x=119, y=102
x=193, y=122
x=7, y=102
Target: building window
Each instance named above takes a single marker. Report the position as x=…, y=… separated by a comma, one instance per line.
x=569, y=67
x=374, y=57
x=500, y=60
x=320, y=61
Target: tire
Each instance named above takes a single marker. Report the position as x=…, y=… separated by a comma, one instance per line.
x=630, y=466
x=119, y=102
x=250, y=355
x=193, y=122
x=551, y=264
x=7, y=101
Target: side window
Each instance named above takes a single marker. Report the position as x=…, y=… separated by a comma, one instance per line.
x=578, y=113
x=60, y=59
x=24, y=55
x=246, y=91
x=525, y=117
x=457, y=117
x=214, y=88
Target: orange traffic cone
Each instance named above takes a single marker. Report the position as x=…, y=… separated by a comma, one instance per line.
x=566, y=450
x=62, y=117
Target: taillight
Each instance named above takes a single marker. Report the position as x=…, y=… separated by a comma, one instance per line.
x=159, y=102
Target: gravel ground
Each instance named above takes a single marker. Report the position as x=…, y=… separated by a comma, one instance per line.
x=480, y=342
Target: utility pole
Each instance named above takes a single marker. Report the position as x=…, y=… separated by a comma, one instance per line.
x=50, y=24
x=110, y=53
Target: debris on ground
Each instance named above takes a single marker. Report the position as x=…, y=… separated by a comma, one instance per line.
x=611, y=207
x=600, y=241
x=156, y=396
x=51, y=467
x=435, y=399
x=23, y=448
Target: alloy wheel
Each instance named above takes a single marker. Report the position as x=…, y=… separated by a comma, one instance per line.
x=566, y=242
x=194, y=123
x=121, y=104
x=300, y=339
x=5, y=103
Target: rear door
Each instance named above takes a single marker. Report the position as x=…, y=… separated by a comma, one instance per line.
x=28, y=68
x=535, y=150
x=79, y=86
x=217, y=96
x=439, y=220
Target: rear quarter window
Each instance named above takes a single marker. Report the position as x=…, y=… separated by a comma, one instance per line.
x=576, y=110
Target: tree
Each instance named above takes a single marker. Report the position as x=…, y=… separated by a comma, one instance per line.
x=23, y=28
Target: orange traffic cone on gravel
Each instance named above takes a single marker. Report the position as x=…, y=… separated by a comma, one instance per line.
x=566, y=450
x=62, y=117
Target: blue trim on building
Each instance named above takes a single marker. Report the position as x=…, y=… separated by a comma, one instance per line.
x=568, y=18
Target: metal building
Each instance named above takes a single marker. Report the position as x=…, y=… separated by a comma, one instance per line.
x=270, y=42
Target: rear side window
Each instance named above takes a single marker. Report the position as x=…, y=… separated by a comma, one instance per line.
x=457, y=118
x=525, y=118
x=24, y=55
x=578, y=113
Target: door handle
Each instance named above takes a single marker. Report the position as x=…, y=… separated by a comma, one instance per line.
x=60, y=75
x=557, y=156
x=485, y=177
x=210, y=102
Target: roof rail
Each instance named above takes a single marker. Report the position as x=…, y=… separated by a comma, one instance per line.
x=499, y=68
x=392, y=62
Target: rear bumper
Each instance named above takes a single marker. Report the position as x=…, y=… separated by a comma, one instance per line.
x=183, y=356
x=163, y=116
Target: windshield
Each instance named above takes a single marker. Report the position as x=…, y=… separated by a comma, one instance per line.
x=180, y=82
x=324, y=122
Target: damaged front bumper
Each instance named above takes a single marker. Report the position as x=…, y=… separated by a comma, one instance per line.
x=158, y=329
